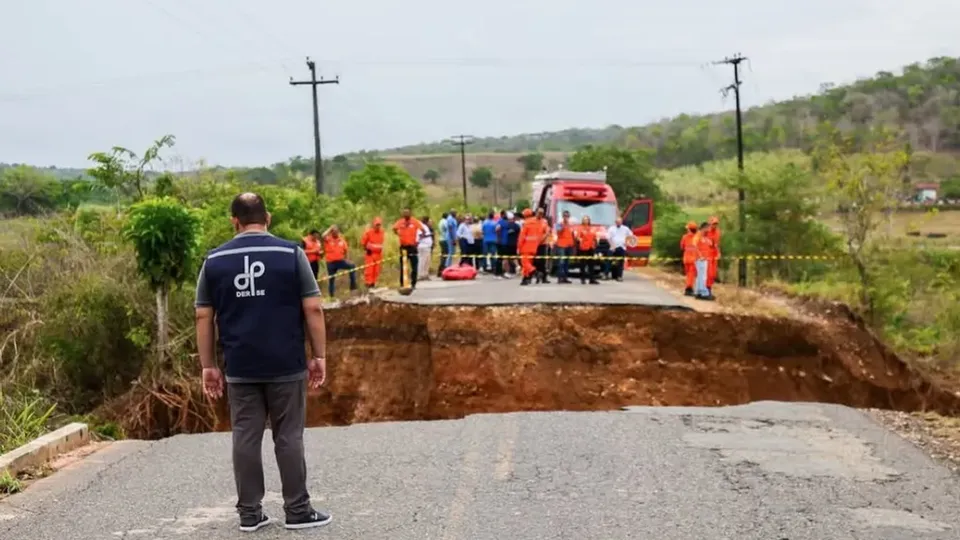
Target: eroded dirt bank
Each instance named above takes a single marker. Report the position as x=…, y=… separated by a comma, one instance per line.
x=401, y=362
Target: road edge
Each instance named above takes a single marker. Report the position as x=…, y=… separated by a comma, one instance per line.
x=45, y=448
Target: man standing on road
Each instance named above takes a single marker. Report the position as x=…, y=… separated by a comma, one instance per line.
x=442, y=235
x=452, y=225
x=713, y=233
x=407, y=229
x=260, y=291
x=564, y=247
x=372, y=242
x=618, y=234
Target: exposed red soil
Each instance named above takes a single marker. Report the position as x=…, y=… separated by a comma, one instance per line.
x=400, y=362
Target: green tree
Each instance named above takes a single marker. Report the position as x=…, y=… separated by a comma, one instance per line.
x=122, y=170
x=431, y=176
x=28, y=191
x=532, y=163
x=164, y=235
x=950, y=188
x=783, y=200
x=164, y=186
x=385, y=186
x=865, y=186
x=629, y=172
x=481, y=177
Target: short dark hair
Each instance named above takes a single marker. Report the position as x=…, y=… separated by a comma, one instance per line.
x=703, y=225
x=444, y=215
x=249, y=209
x=314, y=231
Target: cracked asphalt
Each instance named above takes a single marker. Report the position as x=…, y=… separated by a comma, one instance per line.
x=488, y=290
x=766, y=471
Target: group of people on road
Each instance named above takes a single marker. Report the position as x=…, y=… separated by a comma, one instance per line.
x=416, y=241
x=701, y=252
x=498, y=241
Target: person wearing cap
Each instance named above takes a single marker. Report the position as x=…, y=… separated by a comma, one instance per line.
x=407, y=229
x=713, y=232
x=531, y=236
x=689, y=250
x=372, y=242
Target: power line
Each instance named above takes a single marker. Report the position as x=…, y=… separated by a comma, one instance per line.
x=261, y=66
x=314, y=82
x=45, y=91
x=741, y=196
x=462, y=141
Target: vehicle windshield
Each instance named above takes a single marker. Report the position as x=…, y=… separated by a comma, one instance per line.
x=601, y=213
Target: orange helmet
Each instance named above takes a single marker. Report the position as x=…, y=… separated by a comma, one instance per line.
x=713, y=220
x=527, y=212
x=691, y=225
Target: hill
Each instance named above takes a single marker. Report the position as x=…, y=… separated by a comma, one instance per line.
x=923, y=100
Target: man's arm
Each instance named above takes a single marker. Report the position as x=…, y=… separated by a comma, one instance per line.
x=204, y=322
x=312, y=307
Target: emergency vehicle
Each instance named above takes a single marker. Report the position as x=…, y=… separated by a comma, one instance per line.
x=588, y=194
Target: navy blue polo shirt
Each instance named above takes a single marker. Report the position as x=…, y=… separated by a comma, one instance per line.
x=255, y=284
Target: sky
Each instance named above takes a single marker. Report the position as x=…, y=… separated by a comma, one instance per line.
x=80, y=77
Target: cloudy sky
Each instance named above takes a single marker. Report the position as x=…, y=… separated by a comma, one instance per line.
x=84, y=76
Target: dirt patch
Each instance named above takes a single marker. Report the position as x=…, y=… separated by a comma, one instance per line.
x=404, y=362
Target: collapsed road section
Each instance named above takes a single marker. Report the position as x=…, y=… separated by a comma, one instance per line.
x=390, y=361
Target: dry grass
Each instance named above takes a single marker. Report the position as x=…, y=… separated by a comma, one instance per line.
x=946, y=222
x=730, y=298
x=937, y=435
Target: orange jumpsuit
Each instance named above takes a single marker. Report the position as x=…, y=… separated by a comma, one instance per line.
x=689, y=249
x=531, y=234
x=713, y=233
x=372, y=242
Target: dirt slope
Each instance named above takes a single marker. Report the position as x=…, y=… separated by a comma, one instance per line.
x=396, y=362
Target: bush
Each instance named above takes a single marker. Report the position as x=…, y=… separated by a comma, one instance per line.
x=98, y=332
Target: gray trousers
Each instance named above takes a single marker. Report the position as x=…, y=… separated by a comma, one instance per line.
x=285, y=403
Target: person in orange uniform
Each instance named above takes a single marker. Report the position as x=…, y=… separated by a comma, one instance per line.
x=335, y=253
x=564, y=247
x=531, y=235
x=689, y=250
x=713, y=233
x=312, y=247
x=586, y=239
x=704, y=247
x=543, y=250
x=407, y=228
x=372, y=242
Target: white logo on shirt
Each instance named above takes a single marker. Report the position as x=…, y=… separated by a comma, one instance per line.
x=246, y=282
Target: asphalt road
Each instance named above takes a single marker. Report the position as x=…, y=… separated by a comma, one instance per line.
x=488, y=290
x=766, y=471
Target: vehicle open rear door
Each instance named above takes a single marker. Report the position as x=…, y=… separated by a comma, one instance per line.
x=639, y=217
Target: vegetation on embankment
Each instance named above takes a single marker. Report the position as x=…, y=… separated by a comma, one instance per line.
x=79, y=327
x=921, y=99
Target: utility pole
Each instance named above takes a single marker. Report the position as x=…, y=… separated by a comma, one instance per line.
x=313, y=82
x=462, y=141
x=735, y=62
